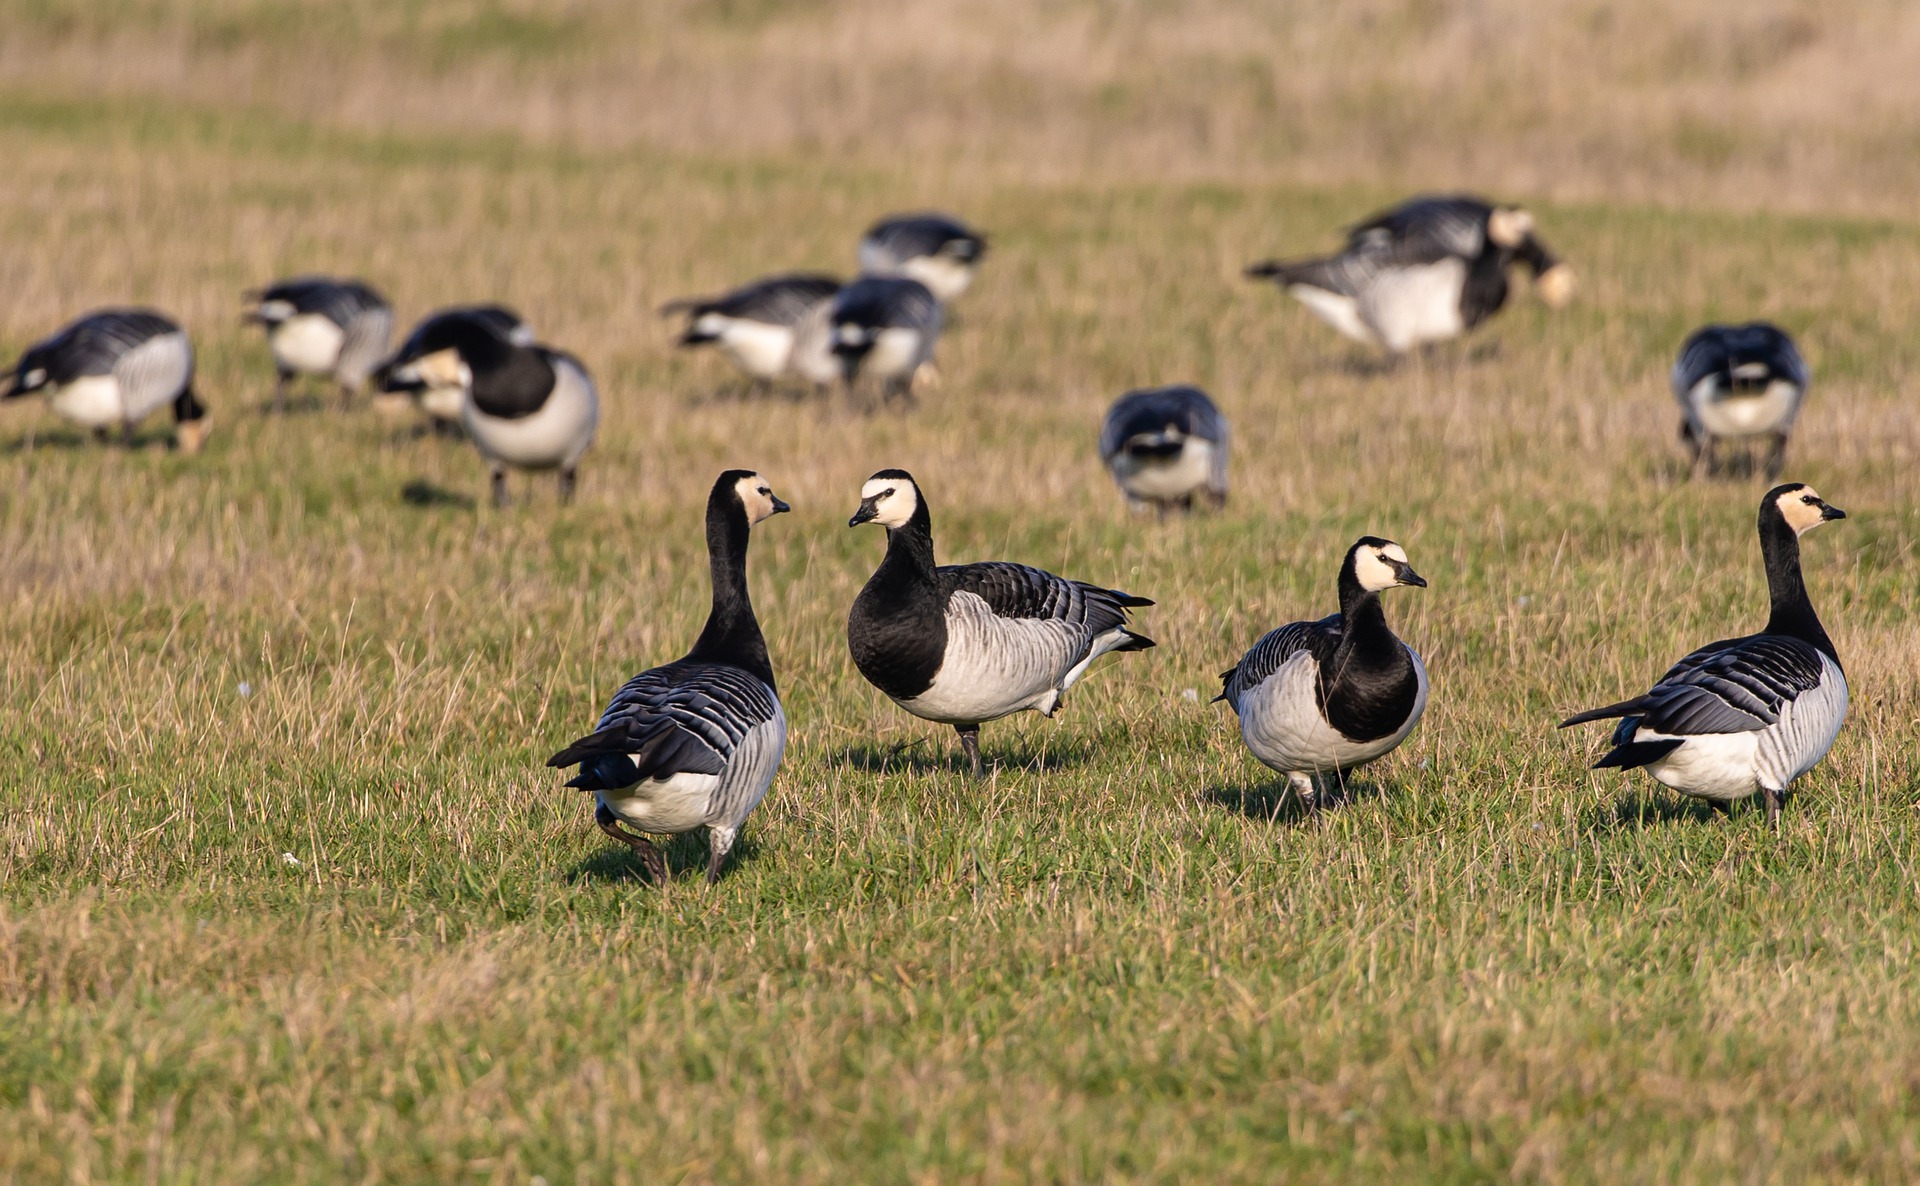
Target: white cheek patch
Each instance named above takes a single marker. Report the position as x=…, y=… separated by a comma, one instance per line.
x=1374, y=573
x=1394, y=552
x=34, y=377
x=443, y=368
x=892, y=510
x=851, y=335
x=276, y=310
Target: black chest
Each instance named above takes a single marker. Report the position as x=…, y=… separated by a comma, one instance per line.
x=1368, y=696
x=897, y=633
x=1486, y=288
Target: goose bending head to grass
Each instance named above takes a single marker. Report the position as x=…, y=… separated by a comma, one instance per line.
x=441, y=398
x=317, y=325
x=769, y=329
x=884, y=329
x=1747, y=715
x=111, y=370
x=694, y=743
x=1317, y=699
x=961, y=644
x=1739, y=383
x=938, y=250
x=1165, y=446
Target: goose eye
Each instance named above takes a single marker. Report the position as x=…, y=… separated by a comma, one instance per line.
x=1808, y=499
x=764, y=490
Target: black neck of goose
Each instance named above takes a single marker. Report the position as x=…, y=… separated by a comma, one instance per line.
x=909, y=561
x=1363, y=623
x=732, y=634
x=1792, y=613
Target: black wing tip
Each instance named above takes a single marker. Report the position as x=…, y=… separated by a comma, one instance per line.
x=1604, y=713
x=1129, y=600
x=1136, y=642
x=1266, y=269
x=1638, y=753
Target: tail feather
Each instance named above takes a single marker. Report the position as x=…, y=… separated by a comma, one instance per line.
x=1135, y=642
x=1625, y=708
x=1129, y=600
x=684, y=305
x=1630, y=754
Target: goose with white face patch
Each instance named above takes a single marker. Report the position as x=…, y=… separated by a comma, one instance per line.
x=1317, y=699
x=694, y=743
x=770, y=328
x=113, y=369
x=1748, y=715
x=442, y=398
x=1739, y=383
x=938, y=250
x=317, y=325
x=1426, y=271
x=884, y=329
x=1165, y=446
x=525, y=406
x=965, y=643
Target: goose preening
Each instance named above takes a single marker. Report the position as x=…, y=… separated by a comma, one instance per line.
x=440, y=398
x=527, y=407
x=1317, y=699
x=113, y=369
x=966, y=643
x=1164, y=446
x=938, y=250
x=1744, y=715
x=884, y=328
x=317, y=325
x=694, y=743
x=1738, y=382
x=770, y=328
x=1426, y=271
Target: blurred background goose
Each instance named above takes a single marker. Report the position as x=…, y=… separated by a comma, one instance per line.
x=1739, y=383
x=440, y=399
x=111, y=370
x=938, y=250
x=1166, y=445
x=771, y=328
x=884, y=329
x=318, y=325
x=1425, y=271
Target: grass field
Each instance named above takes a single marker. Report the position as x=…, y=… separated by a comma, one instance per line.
x=287, y=895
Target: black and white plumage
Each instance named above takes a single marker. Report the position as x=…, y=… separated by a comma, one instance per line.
x=1425, y=271
x=112, y=369
x=525, y=406
x=885, y=328
x=1317, y=699
x=1746, y=715
x=319, y=325
x=1738, y=382
x=938, y=250
x=1164, y=445
x=771, y=328
x=965, y=643
x=694, y=743
x=442, y=402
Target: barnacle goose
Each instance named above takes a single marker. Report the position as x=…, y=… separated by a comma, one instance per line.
x=1739, y=382
x=317, y=325
x=885, y=328
x=772, y=327
x=526, y=406
x=1317, y=699
x=1745, y=715
x=696, y=742
x=441, y=401
x=966, y=643
x=1425, y=271
x=116, y=367
x=938, y=250
x=1163, y=445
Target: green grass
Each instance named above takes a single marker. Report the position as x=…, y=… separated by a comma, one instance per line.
x=1113, y=961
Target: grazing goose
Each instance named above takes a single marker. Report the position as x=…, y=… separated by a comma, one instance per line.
x=1739, y=382
x=939, y=251
x=1164, y=445
x=526, y=407
x=694, y=743
x=441, y=401
x=966, y=643
x=317, y=325
x=885, y=328
x=769, y=328
x=1426, y=271
x=114, y=368
x=1745, y=715
x=1317, y=699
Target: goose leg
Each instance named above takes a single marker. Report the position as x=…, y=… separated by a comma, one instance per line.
x=568, y=478
x=643, y=848
x=1776, y=455
x=100, y=435
x=719, y=844
x=1703, y=457
x=970, y=742
x=1305, y=788
x=280, y=380
x=126, y=434
x=501, y=498
x=1775, y=799
x=346, y=397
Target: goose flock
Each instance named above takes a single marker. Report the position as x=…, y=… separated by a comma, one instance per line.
x=696, y=743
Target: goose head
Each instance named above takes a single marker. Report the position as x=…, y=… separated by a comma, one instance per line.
x=1381, y=564
x=1509, y=226
x=30, y=375
x=1800, y=506
x=755, y=496
x=889, y=498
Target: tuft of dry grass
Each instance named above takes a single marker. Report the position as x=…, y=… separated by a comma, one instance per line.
x=286, y=894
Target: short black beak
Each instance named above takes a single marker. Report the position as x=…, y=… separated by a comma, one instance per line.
x=1829, y=512
x=866, y=512
x=780, y=508
x=1405, y=575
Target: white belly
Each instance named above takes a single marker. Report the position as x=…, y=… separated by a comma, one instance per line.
x=897, y=353
x=1341, y=312
x=944, y=276
x=91, y=400
x=759, y=349
x=1730, y=766
x=812, y=358
x=552, y=438
x=306, y=344
x=1281, y=723
x=664, y=807
x=997, y=666
x=443, y=403
x=1165, y=478
x=1410, y=306
x=1744, y=415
